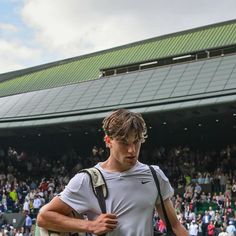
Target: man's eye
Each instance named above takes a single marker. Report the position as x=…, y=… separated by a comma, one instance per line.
x=124, y=143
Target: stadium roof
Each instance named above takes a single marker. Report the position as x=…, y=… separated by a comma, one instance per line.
x=88, y=67
x=200, y=73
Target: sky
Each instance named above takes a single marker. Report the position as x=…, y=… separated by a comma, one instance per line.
x=35, y=32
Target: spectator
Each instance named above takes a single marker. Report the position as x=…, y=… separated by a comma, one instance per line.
x=223, y=181
x=193, y=228
x=211, y=228
x=211, y=213
x=161, y=226
x=37, y=203
x=205, y=222
x=28, y=223
x=26, y=206
x=231, y=229
x=233, y=190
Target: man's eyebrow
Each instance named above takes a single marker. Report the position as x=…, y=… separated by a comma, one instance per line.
x=127, y=141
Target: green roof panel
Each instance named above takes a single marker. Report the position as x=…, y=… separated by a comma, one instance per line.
x=87, y=67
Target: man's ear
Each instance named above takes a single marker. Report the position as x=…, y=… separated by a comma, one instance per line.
x=107, y=140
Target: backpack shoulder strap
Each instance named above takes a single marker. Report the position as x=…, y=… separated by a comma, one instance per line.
x=99, y=186
x=168, y=224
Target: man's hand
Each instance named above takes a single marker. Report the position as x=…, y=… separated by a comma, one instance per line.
x=103, y=224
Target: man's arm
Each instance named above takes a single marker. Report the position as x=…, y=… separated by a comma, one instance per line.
x=177, y=227
x=55, y=216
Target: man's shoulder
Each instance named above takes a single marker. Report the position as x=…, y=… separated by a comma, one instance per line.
x=78, y=180
x=160, y=173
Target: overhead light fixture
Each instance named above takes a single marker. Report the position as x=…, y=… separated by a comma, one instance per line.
x=181, y=57
x=217, y=120
x=185, y=128
x=148, y=63
x=164, y=123
x=199, y=124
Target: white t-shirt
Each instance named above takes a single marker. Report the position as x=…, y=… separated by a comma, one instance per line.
x=37, y=203
x=26, y=206
x=193, y=229
x=132, y=196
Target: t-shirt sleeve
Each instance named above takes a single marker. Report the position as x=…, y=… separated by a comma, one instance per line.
x=166, y=189
x=77, y=193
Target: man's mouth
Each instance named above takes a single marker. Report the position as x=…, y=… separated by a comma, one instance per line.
x=131, y=157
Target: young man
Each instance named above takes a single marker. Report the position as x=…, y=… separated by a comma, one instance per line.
x=132, y=191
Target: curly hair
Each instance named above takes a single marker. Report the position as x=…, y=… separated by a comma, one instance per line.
x=121, y=122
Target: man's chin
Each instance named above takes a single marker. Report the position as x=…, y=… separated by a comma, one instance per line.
x=131, y=162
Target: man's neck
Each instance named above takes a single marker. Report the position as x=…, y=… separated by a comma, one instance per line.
x=112, y=166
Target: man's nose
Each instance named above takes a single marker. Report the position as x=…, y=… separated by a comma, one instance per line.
x=131, y=148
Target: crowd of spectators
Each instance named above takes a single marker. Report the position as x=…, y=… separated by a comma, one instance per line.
x=205, y=187
x=204, y=182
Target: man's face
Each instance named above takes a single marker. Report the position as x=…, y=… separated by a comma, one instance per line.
x=125, y=152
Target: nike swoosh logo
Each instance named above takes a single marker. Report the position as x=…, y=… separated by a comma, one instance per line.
x=145, y=182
